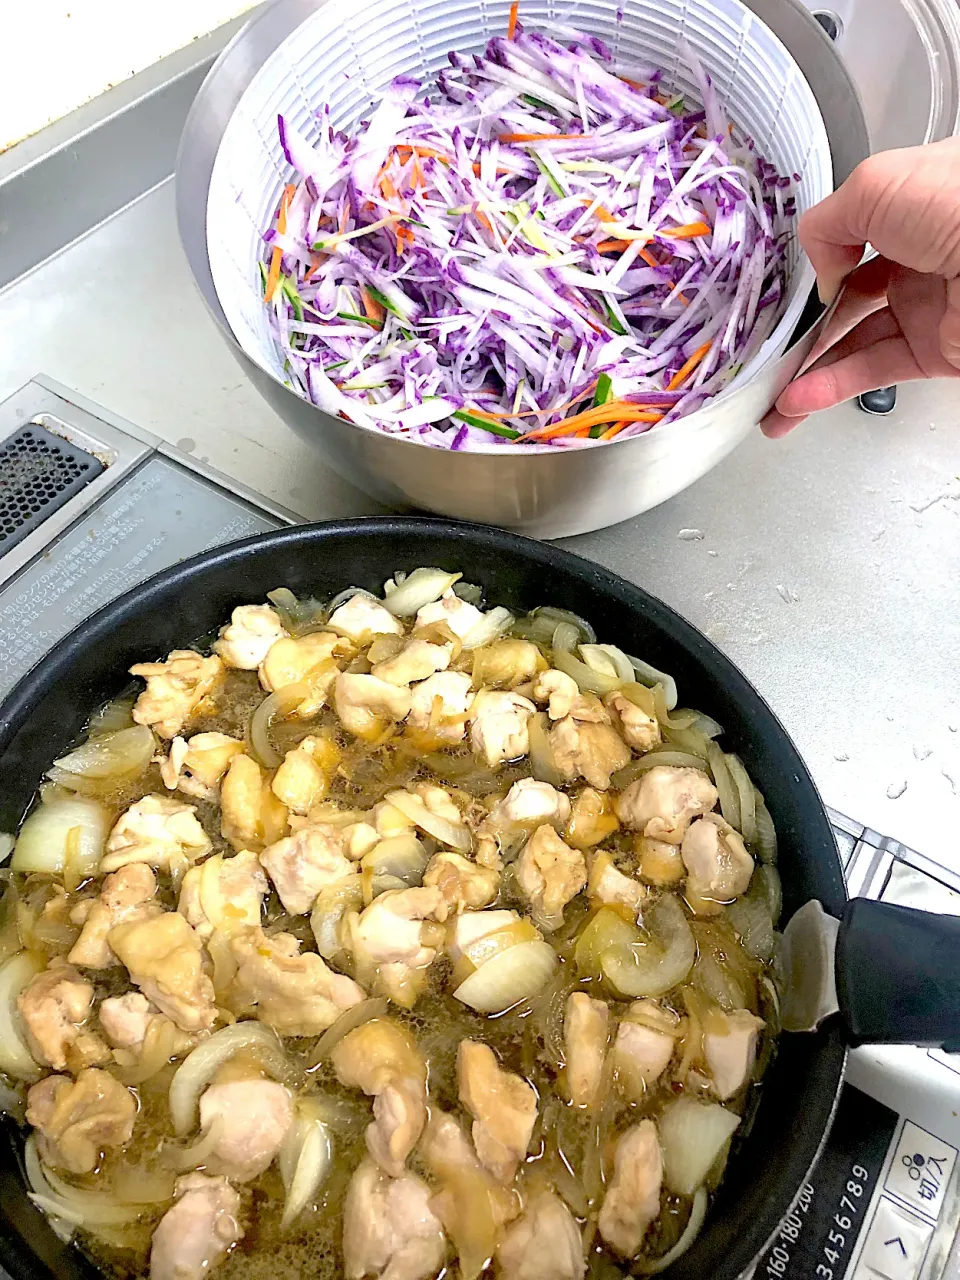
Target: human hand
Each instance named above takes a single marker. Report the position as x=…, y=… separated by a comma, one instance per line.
x=899, y=318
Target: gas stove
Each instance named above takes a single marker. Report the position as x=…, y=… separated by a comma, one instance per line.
x=90, y=505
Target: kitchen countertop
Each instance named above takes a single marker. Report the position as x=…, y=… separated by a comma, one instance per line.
x=827, y=566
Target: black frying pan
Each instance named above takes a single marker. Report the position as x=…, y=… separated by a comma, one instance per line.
x=795, y=1104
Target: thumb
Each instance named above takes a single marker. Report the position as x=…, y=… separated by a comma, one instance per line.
x=950, y=325
x=833, y=242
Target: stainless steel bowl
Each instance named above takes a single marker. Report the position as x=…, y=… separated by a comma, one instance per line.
x=546, y=494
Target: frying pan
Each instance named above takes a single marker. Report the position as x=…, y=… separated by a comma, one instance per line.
x=790, y=1113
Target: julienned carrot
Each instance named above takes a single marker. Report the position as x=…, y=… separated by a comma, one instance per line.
x=541, y=137
x=404, y=237
x=430, y=152
x=612, y=411
x=691, y=231
x=276, y=258
x=371, y=307
x=539, y=413
x=613, y=431
x=512, y=23
x=682, y=374
x=483, y=220
x=634, y=84
x=314, y=267
x=648, y=258
x=613, y=246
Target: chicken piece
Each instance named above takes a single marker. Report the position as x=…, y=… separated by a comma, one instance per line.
x=389, y=1229
x=438, y=801
x=558, y=690
x=159, y=831
x=641, y=730
x=592, y=819
x=178, y=688
x=633, y=1195
x=359, y=838
x=664, y=801
x=304, y=775
x=361, y=618
x=457, y=614
x=195, y=766
x=472, y=1205
x=464, y=885
x=77, y=1120
x=310, y=660
x=55, y=1006
x=246, y=640
x=197, y=1231
x=660, y=863
x=128, y=894
x=253, y=1116
x=388, y=945
x=643, y=1047
x=251, y=816
x=297, y=995
x=499, y=728
x=366, y=705
x=718, y=865
x=382, y=1059
x=730, y=1049
x=507, y=663
x=124, y=1019
x=549, y=875
x=165, y=959
x=233, y=888
x=586, y=1025
x=586, y=745
x=440, y=705
x=608, y=885
x=504, y=1108
x=418, y=660
x=543, y=1244
x=529, y=804
x=303, y=864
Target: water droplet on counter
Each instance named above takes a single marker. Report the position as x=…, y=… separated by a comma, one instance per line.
x=922, y=753
x=690, y=535
x=187, y=444
x=787, y=594
x=896, y=790
x=713, y=553
x=951, y=780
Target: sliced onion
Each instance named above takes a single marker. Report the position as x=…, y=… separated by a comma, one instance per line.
x=640, y=696
x=332, y=904
x=306, y=1155
x=475, y=954
x=516, y=974
x=15, y=1058
x=707, y=726
x=607, y=657
x=543, y=764
x=110, y=755
x=78, y=1208
x=655, y=965
x=402, y=857
x=565, y=637
x=117, y=714
x=7, y=843
x=199, y=1153
x=42, y=842
x=751, y=920
x=650, y=676
x=747, y=796
x=347, y=594
x=349, y=1020
x=717, y=983
x=692, y=1135
x=726, y=788
x=584, y=630
x=698, y=1211
x=766, y=879
x=454, y=834
x=277, y=706
x=419, y=588
x=606, y=928
x=673, y=759
x=299, y=617
x=766, y=831
x=588, y=680
x=199, y=1067
x=490, y=627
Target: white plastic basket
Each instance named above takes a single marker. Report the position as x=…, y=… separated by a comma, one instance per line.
x=346, y=54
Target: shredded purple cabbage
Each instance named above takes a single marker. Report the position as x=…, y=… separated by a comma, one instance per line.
x=445, y=276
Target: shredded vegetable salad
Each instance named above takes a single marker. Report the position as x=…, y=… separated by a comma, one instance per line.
x=539, y=248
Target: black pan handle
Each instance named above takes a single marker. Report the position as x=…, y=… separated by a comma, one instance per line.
x=898, y=975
